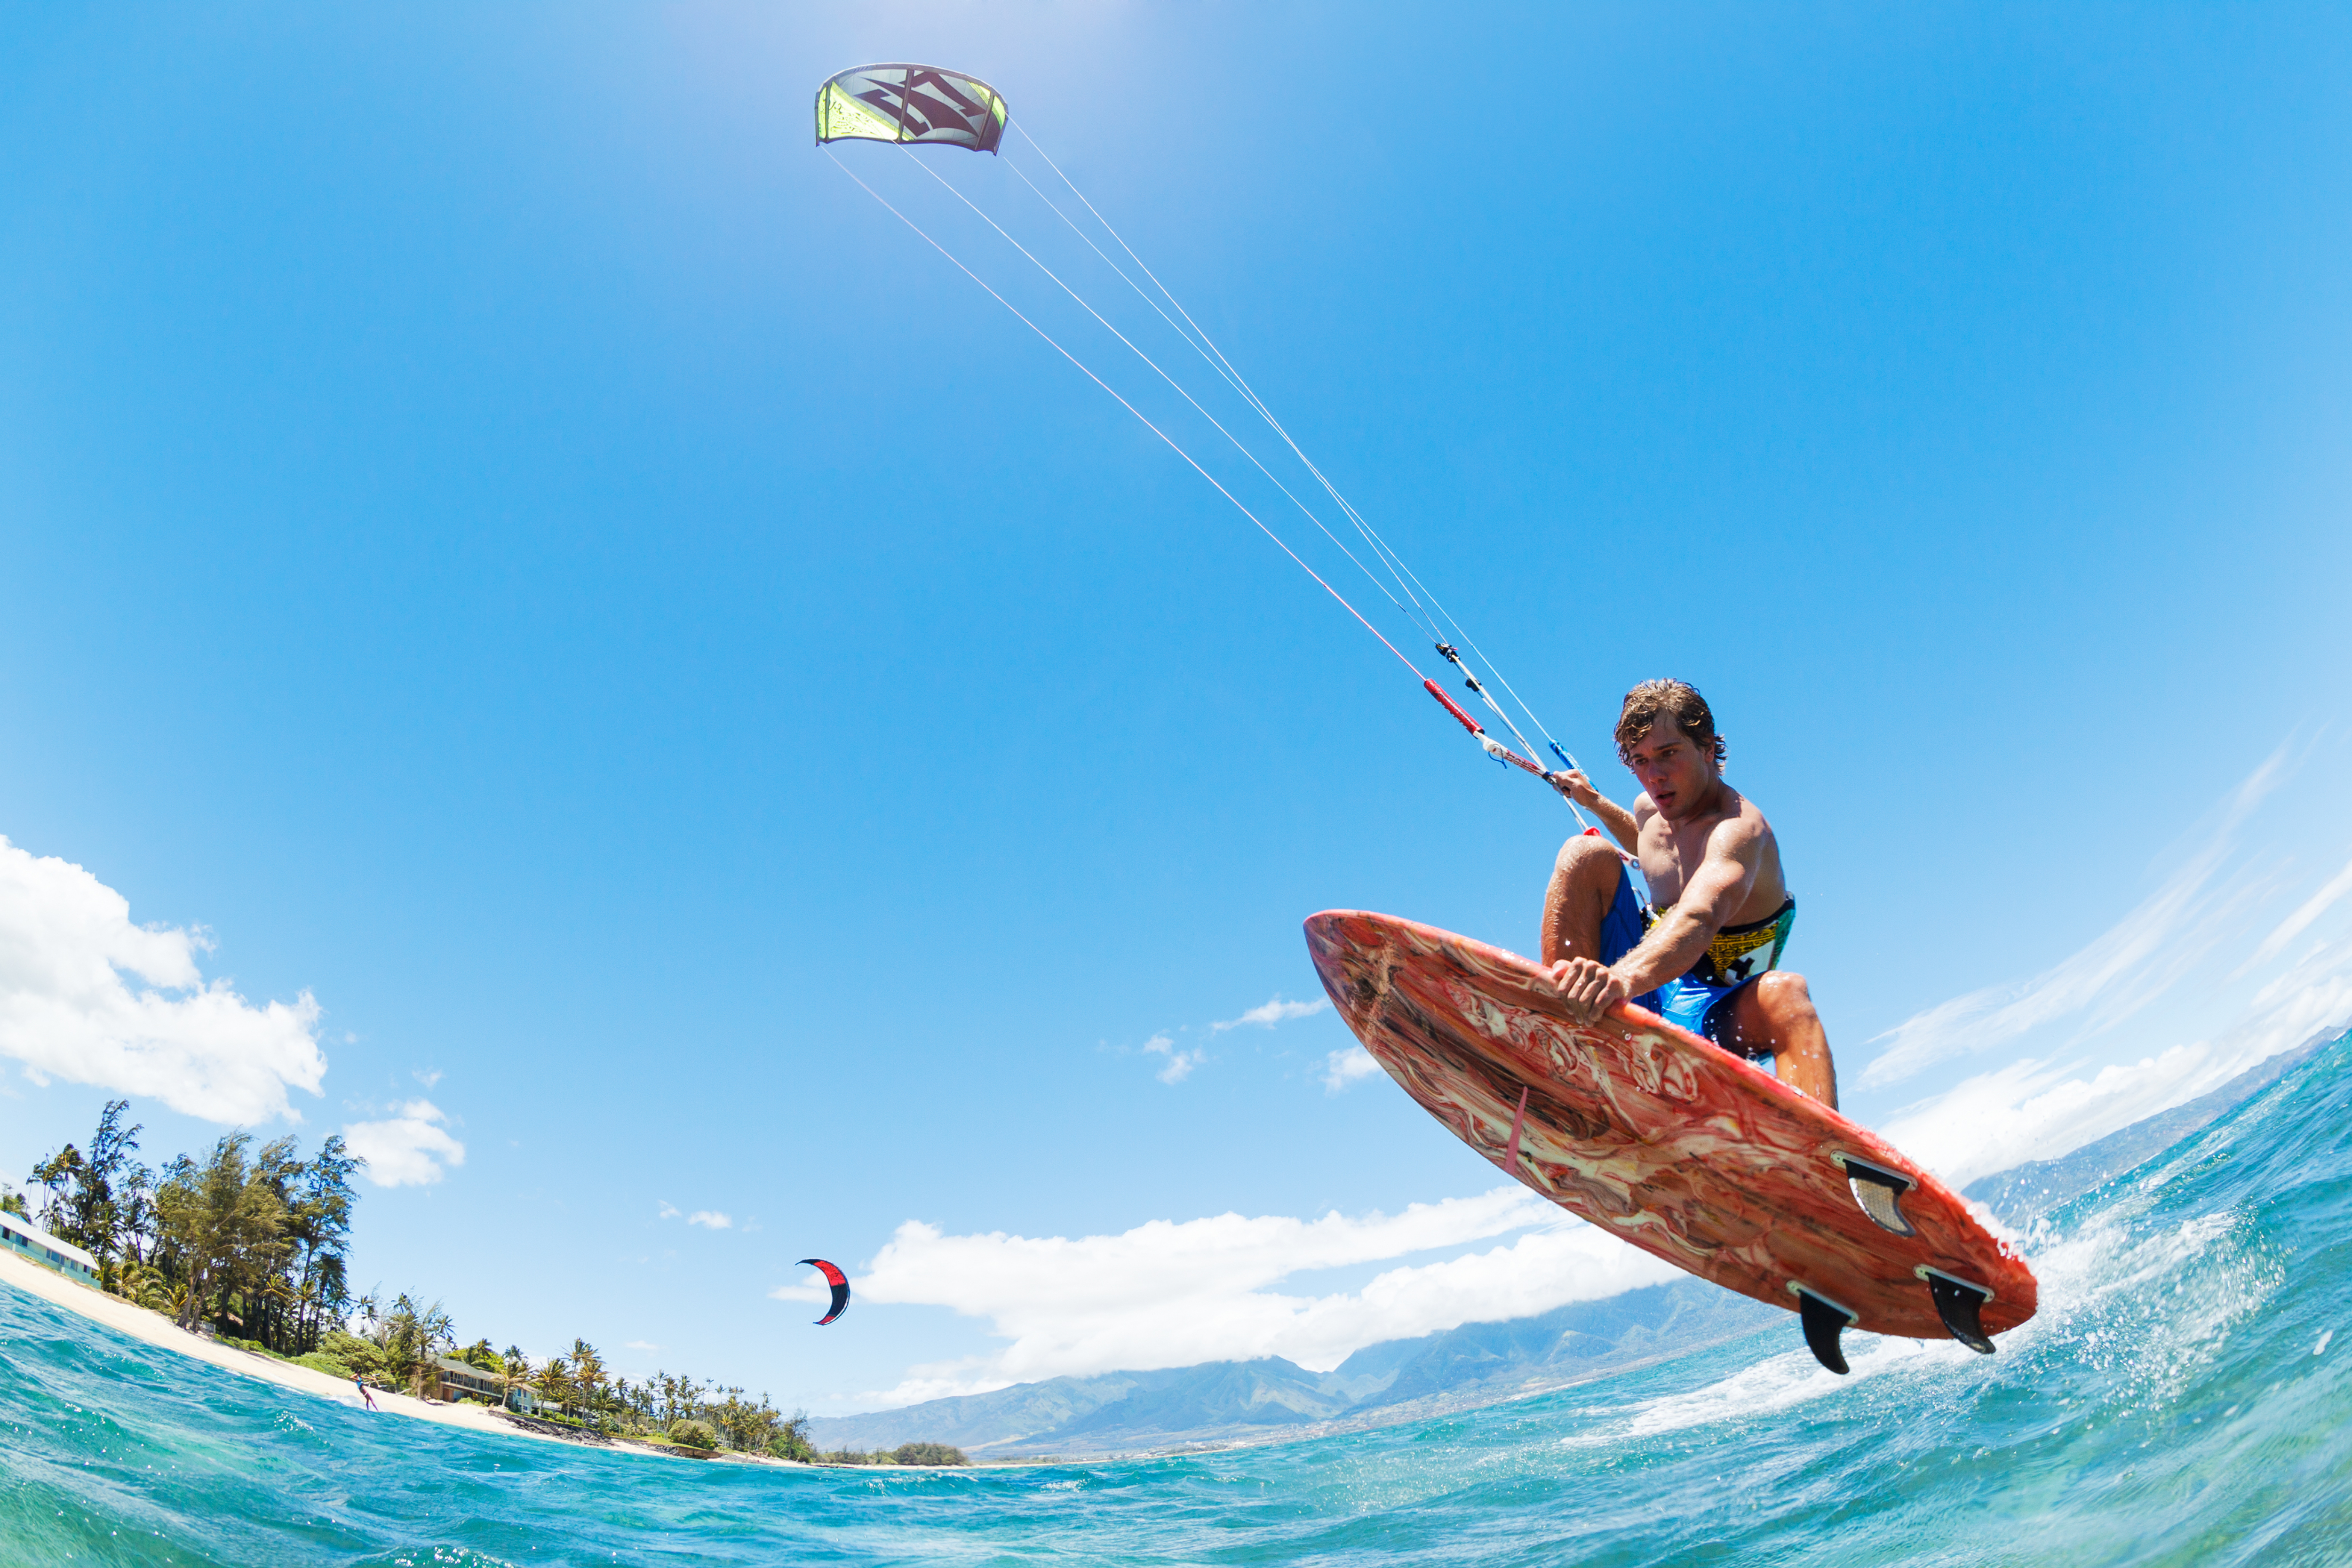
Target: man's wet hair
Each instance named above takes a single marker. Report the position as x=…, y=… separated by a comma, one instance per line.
x=1675, y=700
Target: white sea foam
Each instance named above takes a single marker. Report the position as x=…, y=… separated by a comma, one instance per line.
x=1776, y=1383
x=2151, y=1304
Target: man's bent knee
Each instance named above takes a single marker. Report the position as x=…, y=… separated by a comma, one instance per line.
x=1585, y=860
x=1783, y=996
x=1583, y=887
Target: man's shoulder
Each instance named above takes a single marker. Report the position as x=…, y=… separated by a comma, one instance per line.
x=1740, y=824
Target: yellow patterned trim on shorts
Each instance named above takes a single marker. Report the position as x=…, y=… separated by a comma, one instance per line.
x=1734, y=958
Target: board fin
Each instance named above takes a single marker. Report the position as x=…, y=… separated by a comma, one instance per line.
x=1958, y=1303
x=1824, y=1319
x=1879, y=1192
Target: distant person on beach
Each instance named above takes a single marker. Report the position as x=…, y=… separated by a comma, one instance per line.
x=1706, y=957
x=361, y=1384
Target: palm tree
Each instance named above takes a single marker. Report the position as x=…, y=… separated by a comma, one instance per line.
x=517, y=1368
x=554, y=1381
x=587, y=1374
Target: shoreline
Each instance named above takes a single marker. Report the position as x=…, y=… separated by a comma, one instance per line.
x=153, y=1328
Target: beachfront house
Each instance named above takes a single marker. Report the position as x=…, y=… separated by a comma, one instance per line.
x=464, y=1379
x=525, y=1400
x=25, y=1239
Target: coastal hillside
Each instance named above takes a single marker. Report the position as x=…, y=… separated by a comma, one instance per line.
x=2025, y=1191
x=1398, y=1380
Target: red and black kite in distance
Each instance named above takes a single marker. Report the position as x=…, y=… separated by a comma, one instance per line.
x=840, y=1283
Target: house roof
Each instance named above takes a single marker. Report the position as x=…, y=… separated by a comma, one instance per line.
x=453, y=1364
x=18, y=1225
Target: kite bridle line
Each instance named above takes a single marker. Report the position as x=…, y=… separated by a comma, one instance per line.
x=1214, y=358
x=1407, y=580
x=1147, y=423
x=1206, y=347
x=1486, y=742
x=1175, y=384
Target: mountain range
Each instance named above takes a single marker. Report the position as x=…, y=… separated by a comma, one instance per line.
x=2023, y=1191
x=1398, y=1380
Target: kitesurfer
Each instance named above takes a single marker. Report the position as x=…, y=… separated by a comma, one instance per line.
x=1704, y=957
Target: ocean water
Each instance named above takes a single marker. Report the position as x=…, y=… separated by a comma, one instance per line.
x=2183, y=1397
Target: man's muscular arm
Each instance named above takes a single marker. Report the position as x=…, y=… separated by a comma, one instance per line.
x=1619, y=821
x=1719, y=886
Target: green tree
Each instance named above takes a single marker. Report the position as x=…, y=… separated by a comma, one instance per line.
x=554, y=1381
x=929, y=1454
x=516, y=1367
x=319, y=1200
x=216, y=1218
x=748, y=1427
x=259, y=1294
x=135, y=1218
x=588, y=1377
x=791, y=1440
x=411, y=1336
x=84, y=1211
x=364, y=1357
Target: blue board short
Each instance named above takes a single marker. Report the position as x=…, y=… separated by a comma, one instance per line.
x=1700, y=1001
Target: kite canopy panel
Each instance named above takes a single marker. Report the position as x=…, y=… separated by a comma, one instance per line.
x=910, y=103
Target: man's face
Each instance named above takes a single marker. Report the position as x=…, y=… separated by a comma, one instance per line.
x=1676, y=773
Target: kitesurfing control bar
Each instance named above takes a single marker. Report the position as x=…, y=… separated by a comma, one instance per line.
x=1494, y=748
x=1503, y=753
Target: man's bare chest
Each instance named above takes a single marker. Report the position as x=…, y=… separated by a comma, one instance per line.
x=1669, y=856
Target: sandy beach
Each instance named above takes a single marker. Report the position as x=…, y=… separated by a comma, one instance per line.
x=139, y=1323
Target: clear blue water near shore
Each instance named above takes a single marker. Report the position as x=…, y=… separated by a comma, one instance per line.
x=2182, y=1398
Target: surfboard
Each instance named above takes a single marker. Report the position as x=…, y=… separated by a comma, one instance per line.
x=1661, y=1138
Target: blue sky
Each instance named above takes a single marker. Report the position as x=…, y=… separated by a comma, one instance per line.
x=510, y=542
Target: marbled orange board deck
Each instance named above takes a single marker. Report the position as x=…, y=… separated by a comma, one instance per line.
x=1681, y=1147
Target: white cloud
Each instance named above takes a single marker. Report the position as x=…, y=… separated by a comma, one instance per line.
x=640, y=1345
x=407, y=1150
x=1174, y=1294
x=2296, y=924
x=2112, y=978
x=1183, y=1060
x=68, y=1011
x=1344, y=1067
x=710, y=1219
x=2057, y=1095
x=429, y=1078
x=1180, y=1063
x=1273, y=1011
x=814, y=1287
x=2030, y=1109
x=1180, y=1067
x=669, y=1210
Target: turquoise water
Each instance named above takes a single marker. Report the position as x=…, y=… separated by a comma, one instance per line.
x=2180, y=1400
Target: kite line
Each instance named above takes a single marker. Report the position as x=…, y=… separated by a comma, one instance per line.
x=926, y=104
